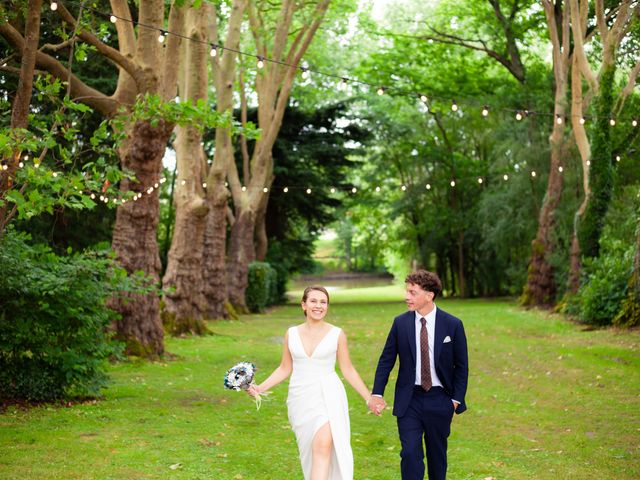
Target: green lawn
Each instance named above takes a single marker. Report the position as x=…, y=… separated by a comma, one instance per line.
x=547, y=400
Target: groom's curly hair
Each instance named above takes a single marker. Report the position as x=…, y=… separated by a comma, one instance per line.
x=428, y=281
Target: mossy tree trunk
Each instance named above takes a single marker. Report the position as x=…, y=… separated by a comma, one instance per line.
x=183, y=282
x=541, y=286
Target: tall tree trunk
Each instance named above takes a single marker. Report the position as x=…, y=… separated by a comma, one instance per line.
x=261, y=239
x=241, y=253
x=183, y=283
x=273, y=86
x=541, y=287
x=214, y=265
x=22, y=100
x=598, y=177
x=134, y=238
x=185, y=305
x=601, y=172
x=584, y=147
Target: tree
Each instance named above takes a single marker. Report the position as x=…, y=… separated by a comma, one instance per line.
x=195, y=277
x=145, y=68
x=21, y=103
x=613, y=25
x=273, y=86
x=541, y=288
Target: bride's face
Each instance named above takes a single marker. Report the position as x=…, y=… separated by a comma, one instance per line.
x=316, y=305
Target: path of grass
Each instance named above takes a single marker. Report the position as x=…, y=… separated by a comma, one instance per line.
x=547, y=400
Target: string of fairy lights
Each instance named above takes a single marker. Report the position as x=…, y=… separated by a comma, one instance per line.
x=343, y=82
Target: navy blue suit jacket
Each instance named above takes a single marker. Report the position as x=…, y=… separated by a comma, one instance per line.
x=450, y=358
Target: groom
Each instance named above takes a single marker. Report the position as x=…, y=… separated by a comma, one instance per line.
x=432, y=378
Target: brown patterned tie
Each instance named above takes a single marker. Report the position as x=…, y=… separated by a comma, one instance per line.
x=425, y=367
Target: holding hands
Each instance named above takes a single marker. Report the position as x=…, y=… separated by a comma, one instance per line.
x=376, y=404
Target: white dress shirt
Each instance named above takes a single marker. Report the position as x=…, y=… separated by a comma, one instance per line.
x=431, y=333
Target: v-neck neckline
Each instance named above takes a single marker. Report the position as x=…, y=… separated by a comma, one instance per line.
x=319, y=343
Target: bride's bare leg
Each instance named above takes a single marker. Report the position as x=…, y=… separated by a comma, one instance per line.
x=321, y=450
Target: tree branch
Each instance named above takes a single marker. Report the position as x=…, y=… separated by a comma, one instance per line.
x=95, y=99
x=109, y=52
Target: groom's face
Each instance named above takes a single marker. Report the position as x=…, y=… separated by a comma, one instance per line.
x=417, y=298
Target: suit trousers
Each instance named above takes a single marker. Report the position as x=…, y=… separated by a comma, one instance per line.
x=429, y=415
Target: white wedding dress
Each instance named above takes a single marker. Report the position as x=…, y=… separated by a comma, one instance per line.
x=317, y=396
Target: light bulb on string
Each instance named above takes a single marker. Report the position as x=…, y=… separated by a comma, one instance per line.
x=612, y=122
x=618, y=158
x=113, y=19
x=381, y=91
x=183, y=182
x=452, y=183
x=333, y=190
x=428, y=186
x=54, y=6
x=533, y=174
x=485, y=111
x=162, y=36
x=308, y=191
x=285, y=189
x=518, y=116
x=265, y=190
x=244, y=189
x=204, y=184
x=93, y=196
x=559, y=119
x=21, y=164
x=634, y=123
x=214, y=50
x=505, y=177
x=404, y=188
x=480, y=180
x=354, y=190
x=343, y=84
x=305, y=72
x=377, y=189
x=560, y=169
x=588, y=163
x=260, y=62
x=454, y=106
x=423, y=98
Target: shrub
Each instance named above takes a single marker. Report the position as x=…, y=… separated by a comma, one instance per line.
x=260, y=289
x=54, y=339
x=605, y=287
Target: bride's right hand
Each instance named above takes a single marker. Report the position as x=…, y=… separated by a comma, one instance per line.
x=253, y=390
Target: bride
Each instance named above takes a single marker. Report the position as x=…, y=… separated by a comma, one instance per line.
x=317, y=402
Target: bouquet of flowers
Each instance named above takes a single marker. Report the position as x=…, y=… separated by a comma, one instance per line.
x=240, y=377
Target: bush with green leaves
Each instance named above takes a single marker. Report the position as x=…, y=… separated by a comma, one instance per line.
x=54, y=321
x=605, y=284
x=261, y=288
